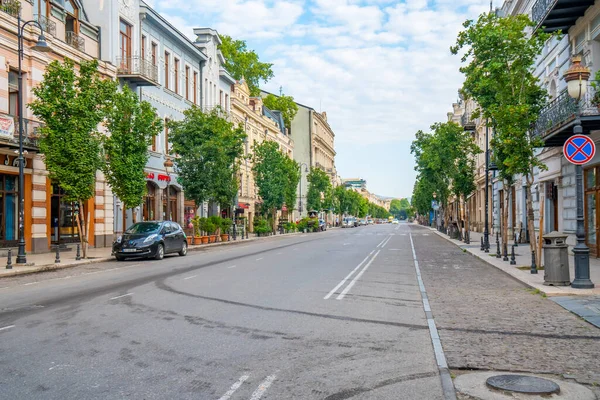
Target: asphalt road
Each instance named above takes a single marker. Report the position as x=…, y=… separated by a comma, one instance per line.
x=279, y=319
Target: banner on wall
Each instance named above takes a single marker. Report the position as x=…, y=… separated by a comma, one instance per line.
x=7, y=126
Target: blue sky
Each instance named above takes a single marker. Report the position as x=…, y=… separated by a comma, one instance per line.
x=381, y=69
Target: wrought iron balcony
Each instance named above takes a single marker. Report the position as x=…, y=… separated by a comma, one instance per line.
x=556, y=116
x=556, y=15
x=467, y=121
x=75, y=41
x=11, y=7
x=9, y=130
x=48, y=25
x=138, y=70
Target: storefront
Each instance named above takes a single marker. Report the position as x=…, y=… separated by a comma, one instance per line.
x=63, y=214
x=9, y=213
x=149, y=205
x=592, y=198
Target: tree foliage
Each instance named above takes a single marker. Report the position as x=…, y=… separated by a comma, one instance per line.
x=499, y=55
x=132, y=125
x=243, y=63
x=72, y=104
x=401, y=209
x=318, y=186
x=271, y=169
x=207, y=147
x=285, y=104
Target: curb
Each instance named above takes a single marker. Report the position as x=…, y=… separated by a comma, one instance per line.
x=53, y=267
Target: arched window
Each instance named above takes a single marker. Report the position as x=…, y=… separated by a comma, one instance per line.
x=552, y=90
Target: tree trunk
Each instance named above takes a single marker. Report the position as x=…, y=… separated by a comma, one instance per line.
x=530, y=220
x=467, y=222
x=81, y=226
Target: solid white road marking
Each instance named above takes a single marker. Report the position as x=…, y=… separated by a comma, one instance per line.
x=123, y=295
x=233, y=266
x=234, y=387
x=381, y=242
x=7, y=327
x=31, y=283
x=347, y=289
x=262, y=388
x=258, y=259
x=190, y=277
x=383, y=245
x=339, y=285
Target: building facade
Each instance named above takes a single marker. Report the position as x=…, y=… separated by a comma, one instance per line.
x=260, y=124
x=48, y=218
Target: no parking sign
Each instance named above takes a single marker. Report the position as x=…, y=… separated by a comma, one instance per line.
x=579, y=149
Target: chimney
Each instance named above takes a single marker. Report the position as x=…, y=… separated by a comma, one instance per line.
x=324, y=114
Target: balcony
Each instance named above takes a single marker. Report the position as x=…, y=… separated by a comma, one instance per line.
x=467, y=121
x=75, y=41
x=48, y=25
x=554, y=15
x=556, y=120
x=9, y=131
x=11, y=7
x=137, y=70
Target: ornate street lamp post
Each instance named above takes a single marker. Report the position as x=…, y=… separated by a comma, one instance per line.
x=577, y=77
x=40, y=46
x=168, y=164
x=434, y=194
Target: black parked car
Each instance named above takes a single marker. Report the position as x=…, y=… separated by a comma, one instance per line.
x=151, y=239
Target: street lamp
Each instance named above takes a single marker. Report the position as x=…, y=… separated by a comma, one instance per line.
x=305, y=170
x=168, y=164
x=434, y=194
x=43, y=47
x=577, y=77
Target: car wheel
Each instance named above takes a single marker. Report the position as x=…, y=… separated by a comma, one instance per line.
x=183, y=250
x=160, y=252
x=120, y=258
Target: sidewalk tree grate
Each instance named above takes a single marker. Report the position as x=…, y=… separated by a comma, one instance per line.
x=522, y=384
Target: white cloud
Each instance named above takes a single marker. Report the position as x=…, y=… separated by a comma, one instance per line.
x=381, y=69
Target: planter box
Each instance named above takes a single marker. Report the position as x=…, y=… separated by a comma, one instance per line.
x=224, y=237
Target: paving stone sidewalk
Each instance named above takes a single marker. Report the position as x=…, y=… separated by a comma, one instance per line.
x=487, y=320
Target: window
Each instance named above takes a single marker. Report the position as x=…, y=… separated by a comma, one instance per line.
x=13, y=92
x=221, y=98
x=72, y=18
x=41, y=8
x=125, y=43
x=206, y=91
x=187, y=82
x=176, y=80
x=154, y=54
x=154, y=138
x=167, y=69
x=195, y=88
x=143, y=47
x=227, y=102
x=167, y=135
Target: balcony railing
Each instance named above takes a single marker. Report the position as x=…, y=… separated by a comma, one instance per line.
x=540, y=10
x=563, y=110
x=554, y=15
x=468, y=122
x=137, y=66
x=9, y=130
x=75, y=41
x=12, y=7
x=48, y=25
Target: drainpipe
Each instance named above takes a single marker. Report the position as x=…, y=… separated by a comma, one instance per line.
x=99, y=42
x=201, y=66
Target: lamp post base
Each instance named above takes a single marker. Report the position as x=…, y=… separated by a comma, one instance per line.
x=582, y=268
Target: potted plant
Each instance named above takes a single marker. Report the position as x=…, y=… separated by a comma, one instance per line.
x=204, y=225
x=196, y=235
x=225, y=226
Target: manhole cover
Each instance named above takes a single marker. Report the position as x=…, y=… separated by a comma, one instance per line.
x=522, y=384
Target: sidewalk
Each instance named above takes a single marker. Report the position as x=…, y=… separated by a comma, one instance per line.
x=523, y=259
x=46, y=261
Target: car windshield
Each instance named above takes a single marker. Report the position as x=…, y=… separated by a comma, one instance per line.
x=143, y=227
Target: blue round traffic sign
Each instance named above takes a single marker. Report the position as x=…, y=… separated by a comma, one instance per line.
x=579, y=149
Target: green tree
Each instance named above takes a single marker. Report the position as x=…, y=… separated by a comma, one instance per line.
x=276, y=176
x=243, y=63
x=285, y=104
x=72, y=103
x=207, y=147
x=318, y=185
x=499, y=56
x=132, y=125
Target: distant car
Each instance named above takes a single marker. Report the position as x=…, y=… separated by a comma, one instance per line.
x=322, y=225
x=395, y=221
x=349, y=222
x=362, y=222
x=150, y=239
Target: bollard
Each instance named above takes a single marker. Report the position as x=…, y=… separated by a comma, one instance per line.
x=467, y=237
x=498, y=255
x=513, y=261
x=78, y=254
x=481, y=248
x=9, y=261
x=505, y=252
x=533, y=266
x=57, y=259
x=234, y=232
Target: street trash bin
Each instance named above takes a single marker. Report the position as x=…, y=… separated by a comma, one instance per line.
x=556, y=260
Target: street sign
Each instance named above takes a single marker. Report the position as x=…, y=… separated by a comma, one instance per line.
x=579, y=149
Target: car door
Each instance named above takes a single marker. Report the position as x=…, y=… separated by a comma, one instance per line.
x=168, y=237
x=178, y=237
